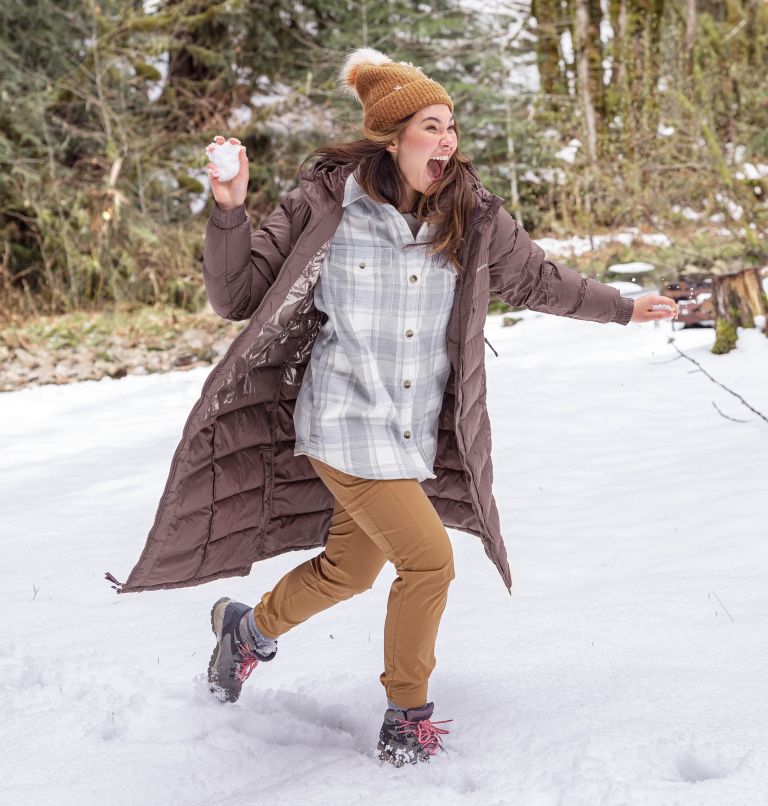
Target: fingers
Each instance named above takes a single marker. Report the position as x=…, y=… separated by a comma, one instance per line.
x=660, y=307
x=213, y=171
x=657, y=312
x=650, y=307
x=669, y=301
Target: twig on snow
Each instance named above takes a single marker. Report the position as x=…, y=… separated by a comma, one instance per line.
x=723, y=606
x=726, y=416
x=714, y=380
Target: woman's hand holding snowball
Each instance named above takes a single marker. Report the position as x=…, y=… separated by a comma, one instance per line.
x=649, y=307
x=229, y=183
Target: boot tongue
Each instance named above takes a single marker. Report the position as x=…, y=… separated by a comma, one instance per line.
x=425, y=712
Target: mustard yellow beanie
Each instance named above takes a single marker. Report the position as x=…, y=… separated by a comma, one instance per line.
x=389, y=91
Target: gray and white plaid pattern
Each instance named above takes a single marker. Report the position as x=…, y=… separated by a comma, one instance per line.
x=371, y=395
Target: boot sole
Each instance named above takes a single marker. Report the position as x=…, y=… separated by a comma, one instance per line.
x=386, y=753
x=217, y=625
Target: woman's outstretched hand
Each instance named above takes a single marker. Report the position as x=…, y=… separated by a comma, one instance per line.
x=230, y=194
x=643, y=310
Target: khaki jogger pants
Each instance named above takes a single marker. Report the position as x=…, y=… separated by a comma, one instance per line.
x=375, y=520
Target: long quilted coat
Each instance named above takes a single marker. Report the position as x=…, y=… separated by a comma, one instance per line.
x=235, y=492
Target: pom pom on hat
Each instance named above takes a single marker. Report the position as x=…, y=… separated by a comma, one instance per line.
x=357, y=58
x=389, y=91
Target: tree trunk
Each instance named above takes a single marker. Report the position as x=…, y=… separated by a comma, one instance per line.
x=511, y=156
x=583, y=80
x=617, y=12
x=690, y=33
x=596, y=57
x=548, y=21
x=642, y=65
x=738, y=298
x=752, y=34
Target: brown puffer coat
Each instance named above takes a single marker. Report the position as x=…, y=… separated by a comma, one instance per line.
x=235, y=493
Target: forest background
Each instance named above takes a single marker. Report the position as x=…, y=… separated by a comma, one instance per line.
x=587, y=116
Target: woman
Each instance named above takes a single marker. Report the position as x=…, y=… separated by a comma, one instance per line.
x=350, y=412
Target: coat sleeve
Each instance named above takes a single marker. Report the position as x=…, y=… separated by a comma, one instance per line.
x=520, y=274
x=240, y=263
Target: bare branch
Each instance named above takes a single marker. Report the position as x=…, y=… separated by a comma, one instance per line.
x=701, y=369
x=726, y=416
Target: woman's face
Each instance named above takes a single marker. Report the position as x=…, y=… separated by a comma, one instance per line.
x=430, y=133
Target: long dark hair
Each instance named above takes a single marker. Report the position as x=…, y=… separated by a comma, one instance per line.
x=449, y=207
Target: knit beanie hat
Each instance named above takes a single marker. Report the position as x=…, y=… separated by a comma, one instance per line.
x=389, y=91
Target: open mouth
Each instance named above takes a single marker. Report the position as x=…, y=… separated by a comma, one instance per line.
x=436, y=167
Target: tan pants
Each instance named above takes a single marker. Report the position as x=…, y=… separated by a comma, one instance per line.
x=375, y=520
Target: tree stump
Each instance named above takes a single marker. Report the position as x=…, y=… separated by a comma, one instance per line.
x=738, y=298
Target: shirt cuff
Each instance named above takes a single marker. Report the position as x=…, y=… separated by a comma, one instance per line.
x=624, y=311
x=227, y=219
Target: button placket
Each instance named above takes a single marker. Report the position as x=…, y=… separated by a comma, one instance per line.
x=378, y=274
x=414, y=270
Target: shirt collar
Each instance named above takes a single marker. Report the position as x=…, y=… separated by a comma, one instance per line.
x=352, y=190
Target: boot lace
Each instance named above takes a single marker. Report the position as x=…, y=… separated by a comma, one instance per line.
x=249, y=663
x=427, y=734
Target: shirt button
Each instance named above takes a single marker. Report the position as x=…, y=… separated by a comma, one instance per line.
x=407, y=384
x=409, y=333
x=413, y=278
x=362, y=264
x=407, y=434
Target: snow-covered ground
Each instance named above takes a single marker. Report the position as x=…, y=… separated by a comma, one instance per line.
x=628, y=667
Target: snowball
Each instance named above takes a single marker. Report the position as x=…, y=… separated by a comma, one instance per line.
x=226, y=158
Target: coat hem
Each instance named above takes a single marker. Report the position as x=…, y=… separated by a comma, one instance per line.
x=243, y=571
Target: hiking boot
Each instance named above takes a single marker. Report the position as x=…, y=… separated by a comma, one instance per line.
x=408, y=736
x=237, y=652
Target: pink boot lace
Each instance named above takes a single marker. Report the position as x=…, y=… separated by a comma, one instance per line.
x=426, y=732
x=250, y=662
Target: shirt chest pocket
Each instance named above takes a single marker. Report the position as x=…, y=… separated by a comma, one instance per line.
x=360, y=267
